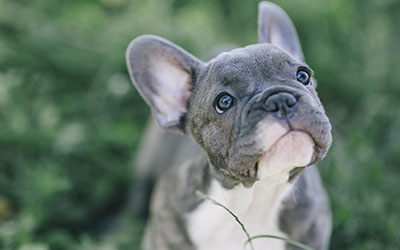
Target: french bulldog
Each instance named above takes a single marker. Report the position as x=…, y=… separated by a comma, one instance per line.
x=248, y=130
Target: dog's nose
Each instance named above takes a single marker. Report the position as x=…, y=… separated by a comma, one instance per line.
x=282, y=102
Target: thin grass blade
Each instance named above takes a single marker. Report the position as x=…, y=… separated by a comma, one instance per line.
x=292, y=242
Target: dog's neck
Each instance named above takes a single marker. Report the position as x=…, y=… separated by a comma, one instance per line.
x=256, y=207
x=265, y=194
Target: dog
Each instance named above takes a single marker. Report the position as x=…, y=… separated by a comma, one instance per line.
x=248, y=130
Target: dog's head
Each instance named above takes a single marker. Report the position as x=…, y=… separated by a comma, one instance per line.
x=254, y=110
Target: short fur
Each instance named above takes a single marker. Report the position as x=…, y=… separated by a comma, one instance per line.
x=262, y=145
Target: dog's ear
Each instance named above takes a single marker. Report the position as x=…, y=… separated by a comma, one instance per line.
x=163, y=74
x=274, y=26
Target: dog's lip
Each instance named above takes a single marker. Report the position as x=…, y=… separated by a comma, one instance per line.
x=252, y=174
x=292, y=172
x=254, y=167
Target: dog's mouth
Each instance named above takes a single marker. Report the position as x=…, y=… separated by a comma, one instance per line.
x=293, y=173
x=277, y=150
x=284, y=160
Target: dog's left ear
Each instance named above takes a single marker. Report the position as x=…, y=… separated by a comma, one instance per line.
x=164, y=75
x=274, y=26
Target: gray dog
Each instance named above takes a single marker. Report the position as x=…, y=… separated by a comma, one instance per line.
x=255, y=124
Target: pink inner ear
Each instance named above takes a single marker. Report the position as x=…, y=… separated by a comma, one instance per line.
x=173, y=91
x=277, y=39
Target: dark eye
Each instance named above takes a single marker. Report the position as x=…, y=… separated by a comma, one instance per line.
x=224, y=102
x=303, y=77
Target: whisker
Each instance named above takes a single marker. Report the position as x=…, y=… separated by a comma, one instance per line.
x=296, y=189
x=293, y=195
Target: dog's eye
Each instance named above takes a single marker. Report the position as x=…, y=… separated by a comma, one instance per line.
x=224, y=102
x=303, y=77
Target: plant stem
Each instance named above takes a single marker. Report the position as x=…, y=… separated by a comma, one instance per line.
x=293, y=242
x=206, y=197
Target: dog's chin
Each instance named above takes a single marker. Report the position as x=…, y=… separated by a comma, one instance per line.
x=292, y=150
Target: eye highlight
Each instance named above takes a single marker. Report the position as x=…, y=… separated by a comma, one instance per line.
x=303, y=77
x=224, y=102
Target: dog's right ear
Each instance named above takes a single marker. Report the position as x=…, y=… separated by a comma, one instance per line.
x=274, y=26
x=163, y=74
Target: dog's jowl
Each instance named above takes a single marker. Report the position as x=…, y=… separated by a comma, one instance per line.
x=248, y=129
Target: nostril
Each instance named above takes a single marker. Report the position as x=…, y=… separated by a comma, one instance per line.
x=280, y=102
x=290, y=100
x=271, y=105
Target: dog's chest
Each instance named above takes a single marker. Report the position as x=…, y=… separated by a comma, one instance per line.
x=211, y=227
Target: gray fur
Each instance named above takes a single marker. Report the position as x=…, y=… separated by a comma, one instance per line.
x=223, y=146
x=306, y=217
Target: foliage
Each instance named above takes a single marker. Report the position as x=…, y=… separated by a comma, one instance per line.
x=70, y=121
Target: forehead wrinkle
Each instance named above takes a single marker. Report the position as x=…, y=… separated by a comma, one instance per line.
x=233, y=72
x=274, y=64
x=292, y=64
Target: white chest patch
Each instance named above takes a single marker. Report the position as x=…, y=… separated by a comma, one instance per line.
x=210, y=227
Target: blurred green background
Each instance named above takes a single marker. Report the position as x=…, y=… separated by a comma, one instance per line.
x=70, y=121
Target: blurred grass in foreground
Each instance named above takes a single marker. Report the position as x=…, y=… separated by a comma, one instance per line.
x=70, y=121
